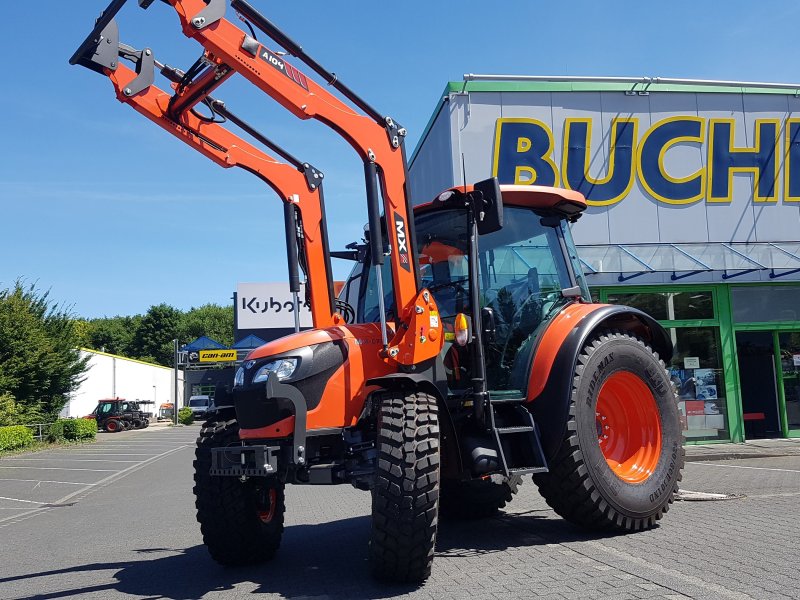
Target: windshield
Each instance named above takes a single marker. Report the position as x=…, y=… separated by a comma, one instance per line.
x=523, y=271
x=198, y=402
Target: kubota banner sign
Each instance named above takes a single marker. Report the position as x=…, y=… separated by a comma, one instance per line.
x=268, y=306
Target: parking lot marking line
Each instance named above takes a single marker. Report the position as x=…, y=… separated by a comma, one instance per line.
x=104, y=454
x=77, y=460
x=706, y=464
x=45, y=481
x=718, y=590
x=115, y=476
x=62, y=469
x=19, y=500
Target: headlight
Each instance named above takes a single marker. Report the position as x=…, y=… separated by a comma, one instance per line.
x=238, y=380
x=283, y=368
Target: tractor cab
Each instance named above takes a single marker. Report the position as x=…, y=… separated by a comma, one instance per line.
x=526, y=270
x=498, y=290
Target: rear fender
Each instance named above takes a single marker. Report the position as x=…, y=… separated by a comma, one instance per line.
x=550, y=408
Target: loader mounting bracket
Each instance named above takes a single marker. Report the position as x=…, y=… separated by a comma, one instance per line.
x=104, y=52
x=145, y=69
x=213, y=12
x=313, y=176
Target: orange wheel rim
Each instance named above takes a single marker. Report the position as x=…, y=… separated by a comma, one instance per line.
x=628, y=427
x=267, y=515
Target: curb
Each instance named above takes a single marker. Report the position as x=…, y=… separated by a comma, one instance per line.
x=734, y=456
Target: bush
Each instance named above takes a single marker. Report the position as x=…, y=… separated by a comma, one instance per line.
x=185, y=416
x=73, y=430
x=56, y=431
x=17, y=436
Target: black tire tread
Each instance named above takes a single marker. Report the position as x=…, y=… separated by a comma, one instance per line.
x=568, y=488
x=226, y=509
x=405, y=497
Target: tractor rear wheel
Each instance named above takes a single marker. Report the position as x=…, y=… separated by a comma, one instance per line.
x=405, y=498
x=241, y=522
x=620, y=461
x=113, y=426
x=476, y=499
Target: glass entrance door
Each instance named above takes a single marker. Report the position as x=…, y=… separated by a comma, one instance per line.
x=788, y=347
x=758, y=384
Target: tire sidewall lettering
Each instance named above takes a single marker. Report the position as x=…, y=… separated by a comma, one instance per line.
x=621, y=353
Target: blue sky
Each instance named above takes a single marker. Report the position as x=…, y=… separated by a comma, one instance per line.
x=113, y=215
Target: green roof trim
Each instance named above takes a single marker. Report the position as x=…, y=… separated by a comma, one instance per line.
x=592, y=86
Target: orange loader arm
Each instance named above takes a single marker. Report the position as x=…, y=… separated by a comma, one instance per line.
x=227, y=150
x=378, y=141
x=418, y=334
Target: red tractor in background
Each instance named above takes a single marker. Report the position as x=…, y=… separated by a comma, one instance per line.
x=118, y=414
x=438, y=378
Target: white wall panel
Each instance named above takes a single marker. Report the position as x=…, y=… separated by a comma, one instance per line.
x=113, y=376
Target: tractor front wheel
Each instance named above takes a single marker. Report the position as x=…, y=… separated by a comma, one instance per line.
x=241, y=522
x=620, y=461
x=405, y=497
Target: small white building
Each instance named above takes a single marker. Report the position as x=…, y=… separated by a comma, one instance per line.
x=111, y=376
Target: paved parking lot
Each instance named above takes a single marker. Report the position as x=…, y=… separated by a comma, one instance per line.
x=33, y=482
x=128, y=531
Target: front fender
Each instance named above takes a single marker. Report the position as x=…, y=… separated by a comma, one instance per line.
x=555, y=361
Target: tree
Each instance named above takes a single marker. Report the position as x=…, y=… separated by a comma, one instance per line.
x=210, y=319
x=152, y=339
x=113, y=335
x=39, y=361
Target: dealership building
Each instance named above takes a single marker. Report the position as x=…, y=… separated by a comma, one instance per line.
x=694, y=217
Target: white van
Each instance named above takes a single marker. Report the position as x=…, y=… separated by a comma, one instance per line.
x=199, y=405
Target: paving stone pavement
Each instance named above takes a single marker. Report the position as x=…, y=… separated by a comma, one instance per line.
x=742, y=548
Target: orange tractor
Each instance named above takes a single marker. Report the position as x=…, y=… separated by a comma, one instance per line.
x=462, y=354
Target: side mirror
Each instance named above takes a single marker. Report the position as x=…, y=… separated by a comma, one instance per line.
x=488, y=325
x=488, y=205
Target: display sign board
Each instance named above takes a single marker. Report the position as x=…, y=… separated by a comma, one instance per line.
x=268, y=306
x=217, y=355
x=691, y=362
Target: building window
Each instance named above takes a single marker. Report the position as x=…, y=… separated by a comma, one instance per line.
x=696, y=370
x=765, y=303
x=669, y=306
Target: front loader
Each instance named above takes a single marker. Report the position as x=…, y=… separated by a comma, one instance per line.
x=471, y=358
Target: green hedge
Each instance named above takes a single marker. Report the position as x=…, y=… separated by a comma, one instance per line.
x=15, y=436
x=185, y=416
x=73, y=430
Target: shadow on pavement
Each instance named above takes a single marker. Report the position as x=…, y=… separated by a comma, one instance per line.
x=463, y=539
x=328, y=560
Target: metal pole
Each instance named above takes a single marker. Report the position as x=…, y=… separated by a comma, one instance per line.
x=175, y=403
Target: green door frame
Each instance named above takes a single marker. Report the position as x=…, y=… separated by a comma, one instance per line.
x=775, y=329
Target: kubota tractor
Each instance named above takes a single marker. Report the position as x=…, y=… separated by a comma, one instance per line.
x=463, y=353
